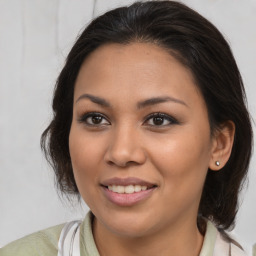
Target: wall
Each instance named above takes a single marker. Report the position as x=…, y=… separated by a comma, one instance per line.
x=35, y=36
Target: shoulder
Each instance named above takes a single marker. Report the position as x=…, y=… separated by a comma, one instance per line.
x=227, y=243
x=44, y=242
x=219, y=244
x=236, y=250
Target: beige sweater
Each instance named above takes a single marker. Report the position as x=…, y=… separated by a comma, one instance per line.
x=45, y=242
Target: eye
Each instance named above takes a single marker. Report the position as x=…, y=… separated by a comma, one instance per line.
x=160, y=119
x=94, y=119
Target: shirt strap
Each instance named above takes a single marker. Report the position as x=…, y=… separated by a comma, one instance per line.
x=223, y=247
x=69, y=242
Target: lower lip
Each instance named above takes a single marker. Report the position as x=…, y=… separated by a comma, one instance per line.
x=127, y=199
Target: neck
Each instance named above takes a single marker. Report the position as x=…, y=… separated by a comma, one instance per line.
x=178, y=240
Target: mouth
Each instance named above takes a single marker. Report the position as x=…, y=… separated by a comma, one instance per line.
x=128, y=191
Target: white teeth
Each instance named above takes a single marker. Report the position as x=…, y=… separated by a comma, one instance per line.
x=143, y=187
x=137, y=188
x=120, y=189
x=127, y=189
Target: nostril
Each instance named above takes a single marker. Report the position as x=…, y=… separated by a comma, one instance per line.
x=125, y=154
x=122, y=164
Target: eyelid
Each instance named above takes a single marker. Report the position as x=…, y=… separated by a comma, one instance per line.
x=171, y=119
x=84, y=116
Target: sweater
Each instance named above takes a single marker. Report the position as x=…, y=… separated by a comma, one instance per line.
x=45, y=242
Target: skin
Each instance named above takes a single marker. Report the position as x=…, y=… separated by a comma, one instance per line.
x=175, y=155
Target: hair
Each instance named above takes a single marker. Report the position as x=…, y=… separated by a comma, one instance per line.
x=199, y=46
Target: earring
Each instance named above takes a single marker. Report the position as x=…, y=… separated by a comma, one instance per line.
x=217, y=163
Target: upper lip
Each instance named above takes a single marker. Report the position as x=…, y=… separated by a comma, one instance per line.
x=126, y=181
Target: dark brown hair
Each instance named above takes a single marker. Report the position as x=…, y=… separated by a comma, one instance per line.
x=198, y=45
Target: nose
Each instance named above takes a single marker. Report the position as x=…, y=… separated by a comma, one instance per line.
x=125, y=148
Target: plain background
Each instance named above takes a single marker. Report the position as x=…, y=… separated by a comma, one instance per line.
x=35, y=37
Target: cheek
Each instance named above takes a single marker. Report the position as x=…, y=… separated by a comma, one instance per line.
x=85, y=149
x=182, y=159
x=180, y=150
x=86, y=154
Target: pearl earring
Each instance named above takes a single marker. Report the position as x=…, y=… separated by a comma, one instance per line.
x=217, y=163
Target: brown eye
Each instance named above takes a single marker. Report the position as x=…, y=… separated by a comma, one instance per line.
x=160, y=119
x=94, y=119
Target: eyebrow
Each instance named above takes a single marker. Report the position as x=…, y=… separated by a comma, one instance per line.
x=141, y=104
x=157, y=100
x=100, y=101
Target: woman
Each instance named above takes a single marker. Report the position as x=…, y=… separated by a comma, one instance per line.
x=150, y=128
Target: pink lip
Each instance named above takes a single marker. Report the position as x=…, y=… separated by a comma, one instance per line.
x=127, y=199
x=126, y=181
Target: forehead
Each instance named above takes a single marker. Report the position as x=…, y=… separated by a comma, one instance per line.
x=136, y=69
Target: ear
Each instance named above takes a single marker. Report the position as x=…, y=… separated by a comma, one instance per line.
x=222, y=144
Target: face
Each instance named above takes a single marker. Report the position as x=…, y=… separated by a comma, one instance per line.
x=140, y=139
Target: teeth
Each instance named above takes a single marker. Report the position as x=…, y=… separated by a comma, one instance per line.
x=143, y=187
x=120, y=189
x=127, y=189
x=137, y=188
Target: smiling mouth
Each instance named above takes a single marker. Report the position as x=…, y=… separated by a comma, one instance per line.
x=127, y=194
x=129, y=189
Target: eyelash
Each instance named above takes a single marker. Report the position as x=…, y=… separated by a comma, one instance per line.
x=170, y=119
x=84, y=119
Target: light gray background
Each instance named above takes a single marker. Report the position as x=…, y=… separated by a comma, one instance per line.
x=35, y=36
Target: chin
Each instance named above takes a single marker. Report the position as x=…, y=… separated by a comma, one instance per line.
x=128, y=224
x=131, y=231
